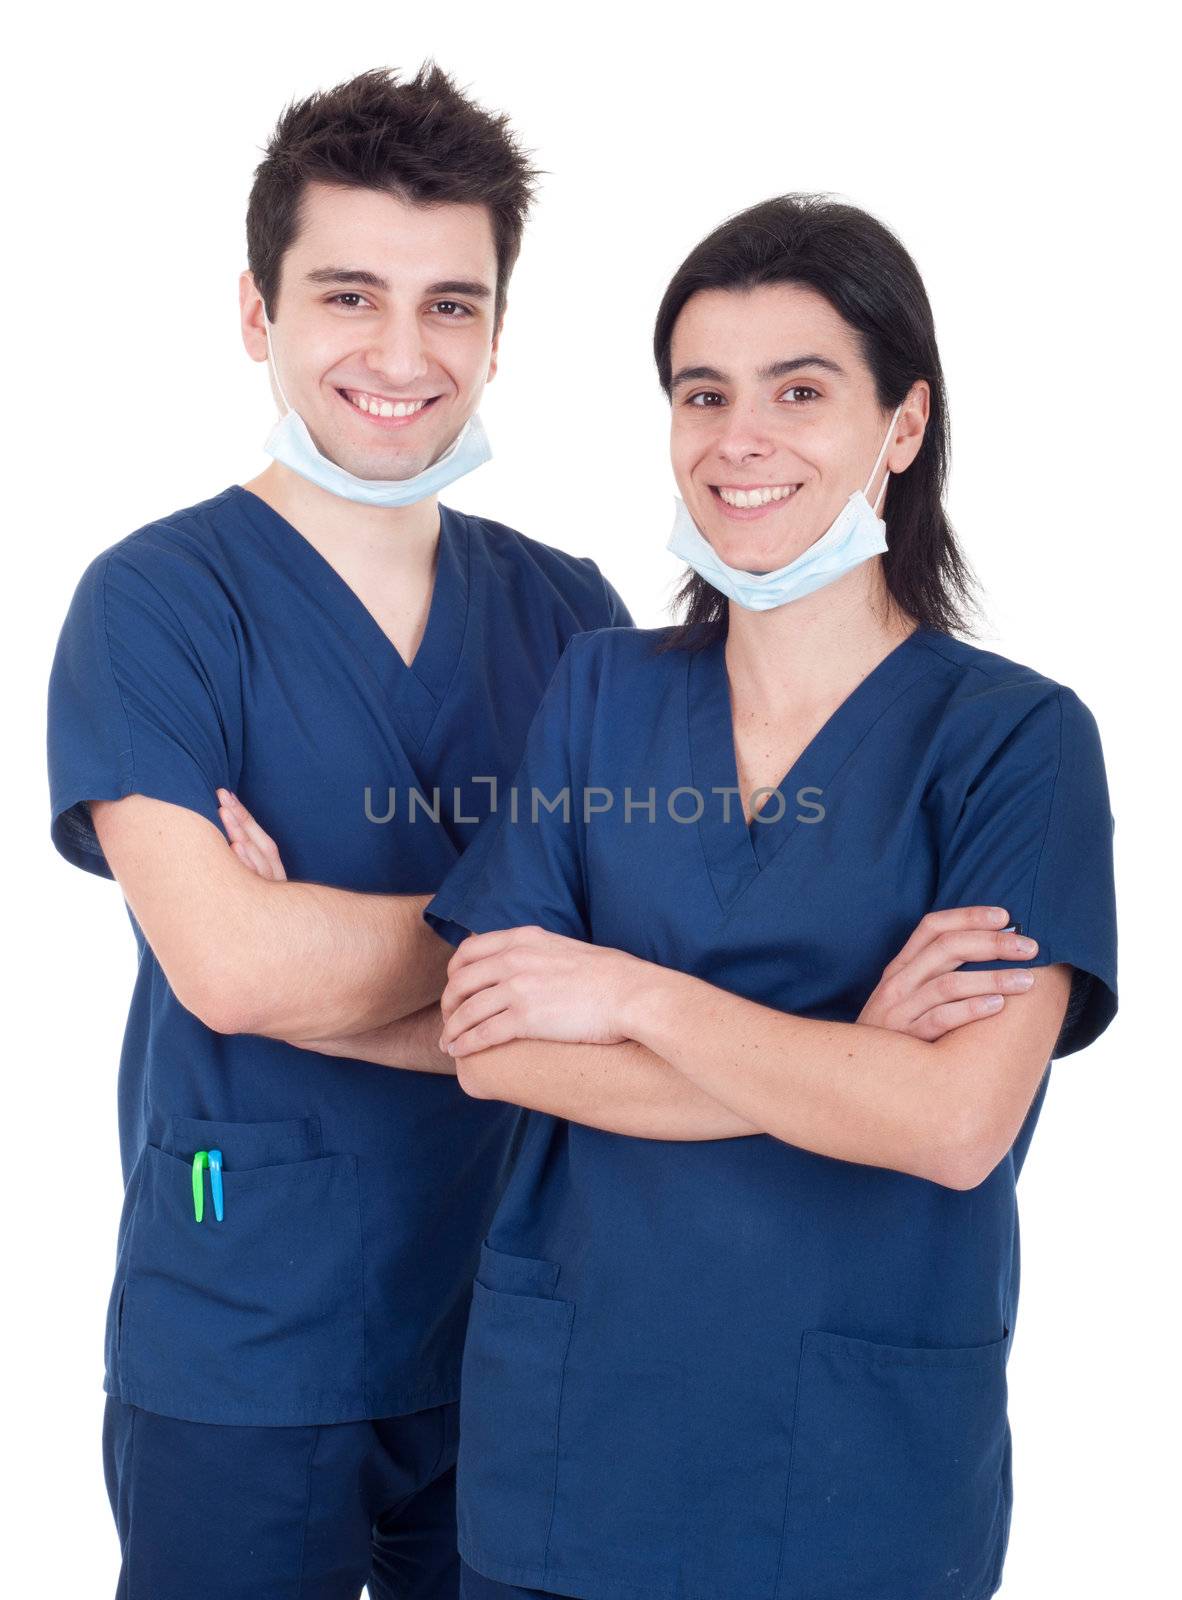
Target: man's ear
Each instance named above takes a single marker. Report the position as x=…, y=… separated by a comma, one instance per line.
x=494, y=353
x=250, y=311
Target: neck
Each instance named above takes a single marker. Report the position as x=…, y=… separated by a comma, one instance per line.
x=398, y=538
x=808, y=651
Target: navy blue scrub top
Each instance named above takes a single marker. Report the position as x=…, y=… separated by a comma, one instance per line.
x=736, y=1367
x=218, y=647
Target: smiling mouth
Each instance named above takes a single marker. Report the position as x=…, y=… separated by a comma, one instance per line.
x=385, y=408
x=756, y=495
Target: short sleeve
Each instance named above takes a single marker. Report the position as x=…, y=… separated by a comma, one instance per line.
x=525, y=865
x=618, y=615
x=135, y=705
x=1034, y=833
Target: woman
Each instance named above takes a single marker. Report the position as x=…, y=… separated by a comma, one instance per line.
x=766, y=1357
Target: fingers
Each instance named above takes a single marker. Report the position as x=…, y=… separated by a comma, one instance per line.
x=478, y=1008
x=479, y=945
x=497, y=1030
x=957, y=986
x=473, y=966
x=482, y=1020
x=250, y=857
x=251, y=844
x=477, y=975
x=947, y=951
x=956, y=919
x=260, y=841
x=935, y=1024
x=954, y=998
x=240, y=843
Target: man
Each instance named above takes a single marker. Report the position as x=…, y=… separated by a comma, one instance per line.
x=329, y=647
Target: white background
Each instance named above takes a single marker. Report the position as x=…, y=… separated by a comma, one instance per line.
x=1020, y=153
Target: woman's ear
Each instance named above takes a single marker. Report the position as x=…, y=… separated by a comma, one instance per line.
x=913, y=421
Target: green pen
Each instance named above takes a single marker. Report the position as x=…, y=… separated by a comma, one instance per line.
x=200, y=1162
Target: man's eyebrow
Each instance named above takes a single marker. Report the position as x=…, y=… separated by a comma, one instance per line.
x=361, y=278
x=775, y=369
x=358, y=275
x=472, y=287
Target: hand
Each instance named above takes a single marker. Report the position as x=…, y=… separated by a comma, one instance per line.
x=253, y=847
x=525, y=983
x=923, y=994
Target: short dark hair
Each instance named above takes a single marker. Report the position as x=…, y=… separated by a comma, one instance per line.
x=866, y=275
x=422, y=141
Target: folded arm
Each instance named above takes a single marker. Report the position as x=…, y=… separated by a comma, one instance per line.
x=656, y=1035
x=249, y=954
x=947, y=1111
x=622, y=1088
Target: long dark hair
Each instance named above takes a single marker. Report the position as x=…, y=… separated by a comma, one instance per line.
x=866, y=275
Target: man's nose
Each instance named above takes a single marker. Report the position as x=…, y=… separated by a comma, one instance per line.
x=397, y=354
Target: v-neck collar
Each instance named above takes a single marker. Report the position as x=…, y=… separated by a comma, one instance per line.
x=414, y=693
x=737, y=852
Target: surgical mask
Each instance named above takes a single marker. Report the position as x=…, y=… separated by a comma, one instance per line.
x=854, y=535
x=290, y=443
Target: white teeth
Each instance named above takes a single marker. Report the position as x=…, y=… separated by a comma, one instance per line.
x=743, y=498
x=386, y=408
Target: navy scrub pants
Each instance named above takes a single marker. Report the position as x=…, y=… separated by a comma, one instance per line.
x=207, y=1512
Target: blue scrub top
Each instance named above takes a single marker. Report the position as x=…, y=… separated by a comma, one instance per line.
x=218, y=647
x=737, y=1367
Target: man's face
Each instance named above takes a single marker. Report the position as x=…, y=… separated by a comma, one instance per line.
x=383, y=335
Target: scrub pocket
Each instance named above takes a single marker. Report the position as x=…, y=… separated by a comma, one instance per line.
x=900, y=1485
x=510, y=1394
x=257, y=1318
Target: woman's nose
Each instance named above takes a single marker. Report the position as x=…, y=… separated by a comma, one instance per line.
x=742, y=437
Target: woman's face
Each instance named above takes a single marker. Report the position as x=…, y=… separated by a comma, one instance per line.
x=771, y=393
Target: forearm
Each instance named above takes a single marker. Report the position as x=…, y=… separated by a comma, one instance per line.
x=411, y=1043
x=325, y=962
x=851, y=1091
x=251, y=954
x=331, y=962
x=622, y=1088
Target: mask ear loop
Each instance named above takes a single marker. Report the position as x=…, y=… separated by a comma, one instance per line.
x=878, y=459
x=275, y=369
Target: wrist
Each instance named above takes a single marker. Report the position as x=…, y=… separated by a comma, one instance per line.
x=649, y=999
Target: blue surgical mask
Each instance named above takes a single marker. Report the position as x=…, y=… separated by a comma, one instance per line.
x=290, y=443
x=854, y=535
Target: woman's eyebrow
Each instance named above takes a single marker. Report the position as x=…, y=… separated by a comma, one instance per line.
x=775, y=369
x=781, y=369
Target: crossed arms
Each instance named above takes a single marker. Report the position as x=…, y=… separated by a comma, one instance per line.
x=926, y=1082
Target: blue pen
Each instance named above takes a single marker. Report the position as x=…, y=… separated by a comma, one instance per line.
x=215, y=1181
